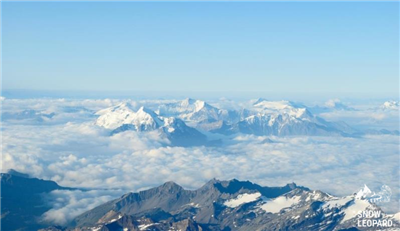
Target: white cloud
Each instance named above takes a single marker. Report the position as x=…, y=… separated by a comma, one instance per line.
x=69, y=204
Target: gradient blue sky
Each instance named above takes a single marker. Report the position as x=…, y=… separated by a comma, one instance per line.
x=305, y=47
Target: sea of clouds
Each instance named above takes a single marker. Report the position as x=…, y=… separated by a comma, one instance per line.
x=67, y=147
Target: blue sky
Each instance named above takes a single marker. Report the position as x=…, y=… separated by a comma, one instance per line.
x=340, y=48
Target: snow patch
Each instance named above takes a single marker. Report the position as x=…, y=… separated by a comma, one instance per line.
x=242, y=199
x=397, y=216
x=277, y=204
x=115, y=219
x=144, y=227
x=336, y=203
x=355, y=207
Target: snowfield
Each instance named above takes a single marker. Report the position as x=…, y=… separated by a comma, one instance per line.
x=277, y=204
x=242, y=199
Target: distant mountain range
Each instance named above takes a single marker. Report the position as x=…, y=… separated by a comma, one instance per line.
x=123, y=118
x=390, y=105
x=192, y=122
x=218, y=205
x=28, y=114
x=195, y=111
x=187, y=122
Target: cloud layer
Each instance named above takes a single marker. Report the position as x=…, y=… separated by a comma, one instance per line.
x=73, y=151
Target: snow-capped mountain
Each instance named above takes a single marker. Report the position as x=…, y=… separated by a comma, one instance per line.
x=390, y=105
x=283, y=125
x=261, y=117
x=193, y=111
x=363, y=193
x=143, y=119
x=123, y=118
x=383, y=195
x=277, y=106
x=282, y=118
x=230, y=205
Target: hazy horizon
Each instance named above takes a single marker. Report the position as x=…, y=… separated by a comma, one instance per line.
x=205, y=95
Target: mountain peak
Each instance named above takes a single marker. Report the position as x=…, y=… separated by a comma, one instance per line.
x=146, y=110
x=171, y=184
x=188, y=101
x=16, y=173
x=292, y=185
x=124, y=107
x=228, y=186
x=277, y=105
x=199, y=104
x=146, y=114
x=391, y=104
x=213, y=181
x=259, y=100
x=124, y=104
x=363, y=192
x=170, y=187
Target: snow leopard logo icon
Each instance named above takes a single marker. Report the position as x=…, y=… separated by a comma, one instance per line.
x=381, y=196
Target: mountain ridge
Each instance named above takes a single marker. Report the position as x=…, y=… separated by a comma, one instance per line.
x=217, y=205
x=22, y=200
x=226, y=205
x=198, y=120
x=123, y=118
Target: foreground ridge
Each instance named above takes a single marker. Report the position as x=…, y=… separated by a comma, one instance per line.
x=229, y=205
